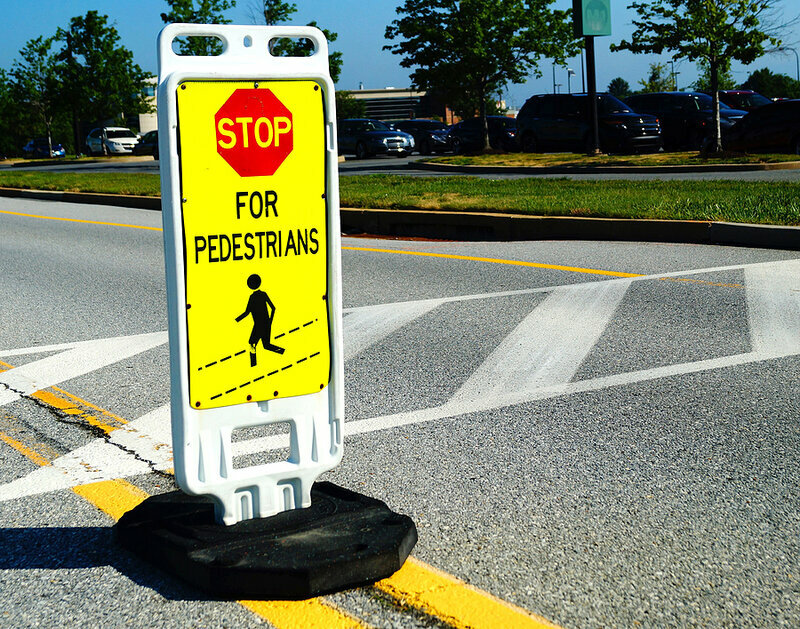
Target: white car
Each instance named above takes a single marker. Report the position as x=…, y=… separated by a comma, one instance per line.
x=111, y=141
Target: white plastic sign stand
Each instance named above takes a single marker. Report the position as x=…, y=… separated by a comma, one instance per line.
x=250, y=204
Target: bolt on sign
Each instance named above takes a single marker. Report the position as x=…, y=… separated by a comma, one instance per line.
x=248, y=169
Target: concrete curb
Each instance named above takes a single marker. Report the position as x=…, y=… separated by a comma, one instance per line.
x=476, y=226
x=604, y=170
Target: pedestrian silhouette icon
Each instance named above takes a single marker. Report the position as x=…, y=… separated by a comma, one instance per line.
x=261, y=308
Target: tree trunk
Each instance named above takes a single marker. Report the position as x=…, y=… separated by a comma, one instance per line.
x=484, y=123
x=716, y=146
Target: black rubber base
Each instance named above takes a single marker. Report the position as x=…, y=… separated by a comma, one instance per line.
x=343, y=540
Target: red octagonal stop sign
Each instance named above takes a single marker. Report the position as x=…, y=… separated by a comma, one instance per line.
x=254, y=132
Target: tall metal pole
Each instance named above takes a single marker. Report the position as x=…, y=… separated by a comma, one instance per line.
x=594, y=149
x=554, y=77
x=583, y=75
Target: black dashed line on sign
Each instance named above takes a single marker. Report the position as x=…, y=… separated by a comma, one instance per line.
x=271, y=373
x=280, y=335
x=295, y=330
x=240, y=353
x=222, y=360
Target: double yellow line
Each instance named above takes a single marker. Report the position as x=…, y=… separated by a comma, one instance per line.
x=416, y=584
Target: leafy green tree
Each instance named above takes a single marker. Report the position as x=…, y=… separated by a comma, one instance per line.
x=99, y=80
x=465, y=50
x=206, y=12
x=619, y=87
x=35, y=84
x=702, y=30
x=349, y=107
x=772, y=85
x=659, y=79
x=11, y=134
x=725, y=80
x=276, y=12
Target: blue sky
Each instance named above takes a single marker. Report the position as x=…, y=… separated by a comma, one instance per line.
x=360, y=25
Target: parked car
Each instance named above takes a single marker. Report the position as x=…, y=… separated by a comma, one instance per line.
x=562, y=122
x=38, y=147
x=746, y=100
x=467, y=135
x=147, y=145
x=773, y=128
x=686, y=118
x=111, y=141
x=430, y=136
x=365, y=137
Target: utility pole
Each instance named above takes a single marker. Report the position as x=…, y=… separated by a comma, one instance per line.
x=570, y=74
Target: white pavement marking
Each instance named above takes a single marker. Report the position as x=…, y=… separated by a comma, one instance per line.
x=773, y=297
x=83, y=358
x=548, y=346
x=366, y=326
x=773, y=306
x=139, y=447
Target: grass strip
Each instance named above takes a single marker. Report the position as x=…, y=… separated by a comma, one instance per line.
x=776, y=203
x=544, y=160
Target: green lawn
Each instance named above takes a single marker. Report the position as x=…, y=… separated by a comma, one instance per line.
x=735, y=201
x=542, y=160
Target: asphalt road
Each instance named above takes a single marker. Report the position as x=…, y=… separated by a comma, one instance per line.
x=406, y=166
x=604, y=434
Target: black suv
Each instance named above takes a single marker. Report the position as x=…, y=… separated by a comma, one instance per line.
x=430, y=136
x=773, y=128
x=686, y=117
x=562, y=122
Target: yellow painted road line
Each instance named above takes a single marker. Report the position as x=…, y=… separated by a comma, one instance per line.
x=310, y=614
x=536, y=265
x=79, y=220
x=454, y=602
x=113, y=497
x=117, y=497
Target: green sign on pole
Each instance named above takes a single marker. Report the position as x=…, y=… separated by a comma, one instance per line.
x=591, y=17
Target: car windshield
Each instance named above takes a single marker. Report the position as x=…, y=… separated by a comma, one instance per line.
x=120, y=133
x=703, y=102
x=608, y=104
x=744, y=101
x=373, y=125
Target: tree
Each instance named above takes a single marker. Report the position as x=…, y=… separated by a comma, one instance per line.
x=273, y=12
x=466, y=50
x=99, y=80
x=702, y=30
x=772, y=85
x=35, y=83
x=659, y=79
x=207, y=12
x=725, y=80
x=349, y=107
x=619, y=87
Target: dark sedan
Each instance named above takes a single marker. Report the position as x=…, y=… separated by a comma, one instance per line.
x=365, y=137
x=686, y=118
x=773, y=128
x=148, y=145
x=39, y=148
x=467, y=135
x=430, y=136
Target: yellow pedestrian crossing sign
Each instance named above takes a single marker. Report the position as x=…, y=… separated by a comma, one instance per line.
x=256, y=259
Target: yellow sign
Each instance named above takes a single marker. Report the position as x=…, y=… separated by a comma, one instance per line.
x=255, y=239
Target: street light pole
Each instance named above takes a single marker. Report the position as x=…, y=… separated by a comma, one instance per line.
x=570, y=74
x=796, y=59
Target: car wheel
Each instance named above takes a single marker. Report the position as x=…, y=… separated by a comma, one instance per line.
x=425, y=148
x=361, y=151
x=529, y=143
x=457, y=145
x=155, y=153
x=105, y=150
